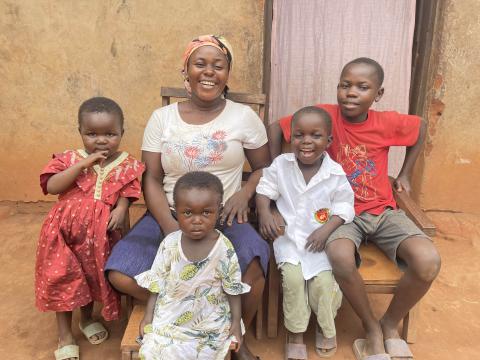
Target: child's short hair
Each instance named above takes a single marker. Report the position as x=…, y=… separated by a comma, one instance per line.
x=198, y=180
x=364, y=60
x=313, y=110
x=99, y=105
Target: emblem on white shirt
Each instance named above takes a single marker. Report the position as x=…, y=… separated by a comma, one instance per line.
x=322, y=215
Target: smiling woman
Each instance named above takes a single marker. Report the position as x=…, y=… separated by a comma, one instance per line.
x=208, y=133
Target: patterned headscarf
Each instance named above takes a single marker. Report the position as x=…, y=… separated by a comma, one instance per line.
x=209, y=40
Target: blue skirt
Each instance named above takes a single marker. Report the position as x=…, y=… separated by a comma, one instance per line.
x=135, y=253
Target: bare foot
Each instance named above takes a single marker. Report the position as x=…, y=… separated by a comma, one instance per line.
x=374, y=337
x=243, y=353
x=389, y=330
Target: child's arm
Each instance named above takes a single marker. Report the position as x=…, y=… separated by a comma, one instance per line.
x=116, y=221
x=148, y=316
x=402, y=182
x=268, y=226
x=60, y=182
x=275, y=136
x=316, y=240
x=235, y=302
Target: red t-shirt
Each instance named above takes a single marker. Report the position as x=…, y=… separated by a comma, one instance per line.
x=362, y=150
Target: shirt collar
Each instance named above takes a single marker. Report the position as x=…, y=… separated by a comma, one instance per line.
x=328, y=165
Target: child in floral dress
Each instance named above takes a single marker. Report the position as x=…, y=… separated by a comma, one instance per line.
x=95, y=187
x=194, y=308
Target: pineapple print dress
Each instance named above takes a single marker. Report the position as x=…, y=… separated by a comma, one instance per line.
x=192, y=314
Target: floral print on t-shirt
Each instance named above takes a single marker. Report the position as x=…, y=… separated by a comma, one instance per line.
x=204, y=150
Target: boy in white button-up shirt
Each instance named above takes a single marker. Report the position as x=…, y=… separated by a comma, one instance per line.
x=314, y=197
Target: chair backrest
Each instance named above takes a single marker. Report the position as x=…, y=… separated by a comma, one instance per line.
x=255, y=101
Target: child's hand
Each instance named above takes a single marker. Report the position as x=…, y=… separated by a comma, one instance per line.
x=94, y=158
x=317, y=239
x=142, y=325
x=401, y=183
x=269, y=226
x=116, y=221
x=236, y=331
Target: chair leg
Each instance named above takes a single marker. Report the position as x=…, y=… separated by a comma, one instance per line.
x=273, y=295
x=409, y=332
x=129, y=303
x=126, y=355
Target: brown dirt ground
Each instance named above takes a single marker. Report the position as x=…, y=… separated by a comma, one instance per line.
x=448, y=325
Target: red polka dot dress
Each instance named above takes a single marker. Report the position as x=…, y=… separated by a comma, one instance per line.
x=74, y=243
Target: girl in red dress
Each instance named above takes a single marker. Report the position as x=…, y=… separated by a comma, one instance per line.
x=95, y=186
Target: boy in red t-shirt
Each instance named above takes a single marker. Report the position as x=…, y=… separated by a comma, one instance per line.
x=361, y=140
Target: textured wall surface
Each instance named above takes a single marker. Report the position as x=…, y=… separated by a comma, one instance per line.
x=55, y=54
x=452, y=155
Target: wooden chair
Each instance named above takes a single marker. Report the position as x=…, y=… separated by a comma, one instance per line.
x=257, y=102
x=379, y=274
x=129, y=345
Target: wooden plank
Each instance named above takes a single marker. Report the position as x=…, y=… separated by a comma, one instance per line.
x=426, y=45
x=247, y=98
x=131, y=332
x=244, y=98
x=414, y=212
x=267, y=54
x=380, y=289
x=273, y=296
x=173, y=92
x=376, y=267
x=409, y=331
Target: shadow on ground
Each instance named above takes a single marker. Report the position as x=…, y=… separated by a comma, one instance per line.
x=448, y=325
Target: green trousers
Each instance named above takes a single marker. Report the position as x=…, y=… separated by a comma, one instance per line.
x=320, y=294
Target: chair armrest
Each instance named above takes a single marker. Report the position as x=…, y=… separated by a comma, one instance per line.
x=414, y=212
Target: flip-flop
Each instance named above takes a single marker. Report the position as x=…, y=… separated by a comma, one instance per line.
x=398, y=349
x=67, y=352
x=94, y=329
x=323, y=343
x=359, y=351
x=295, y=351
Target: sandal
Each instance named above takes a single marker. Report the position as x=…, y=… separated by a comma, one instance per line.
x=295, y=351
x=359, y=351
x=398, y=349
x=324, y=347
x=67, y=352
x=94, y=329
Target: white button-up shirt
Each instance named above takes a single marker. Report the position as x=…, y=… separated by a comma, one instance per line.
x=305, y=206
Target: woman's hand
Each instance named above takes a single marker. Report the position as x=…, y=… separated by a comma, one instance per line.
x=237, y=206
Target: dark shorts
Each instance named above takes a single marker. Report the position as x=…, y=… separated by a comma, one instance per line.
x=135, y=253
x=386, y=230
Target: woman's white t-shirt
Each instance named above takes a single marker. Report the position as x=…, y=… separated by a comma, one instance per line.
x=215, y=147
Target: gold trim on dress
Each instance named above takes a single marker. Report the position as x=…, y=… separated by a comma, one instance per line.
x=102, y=172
